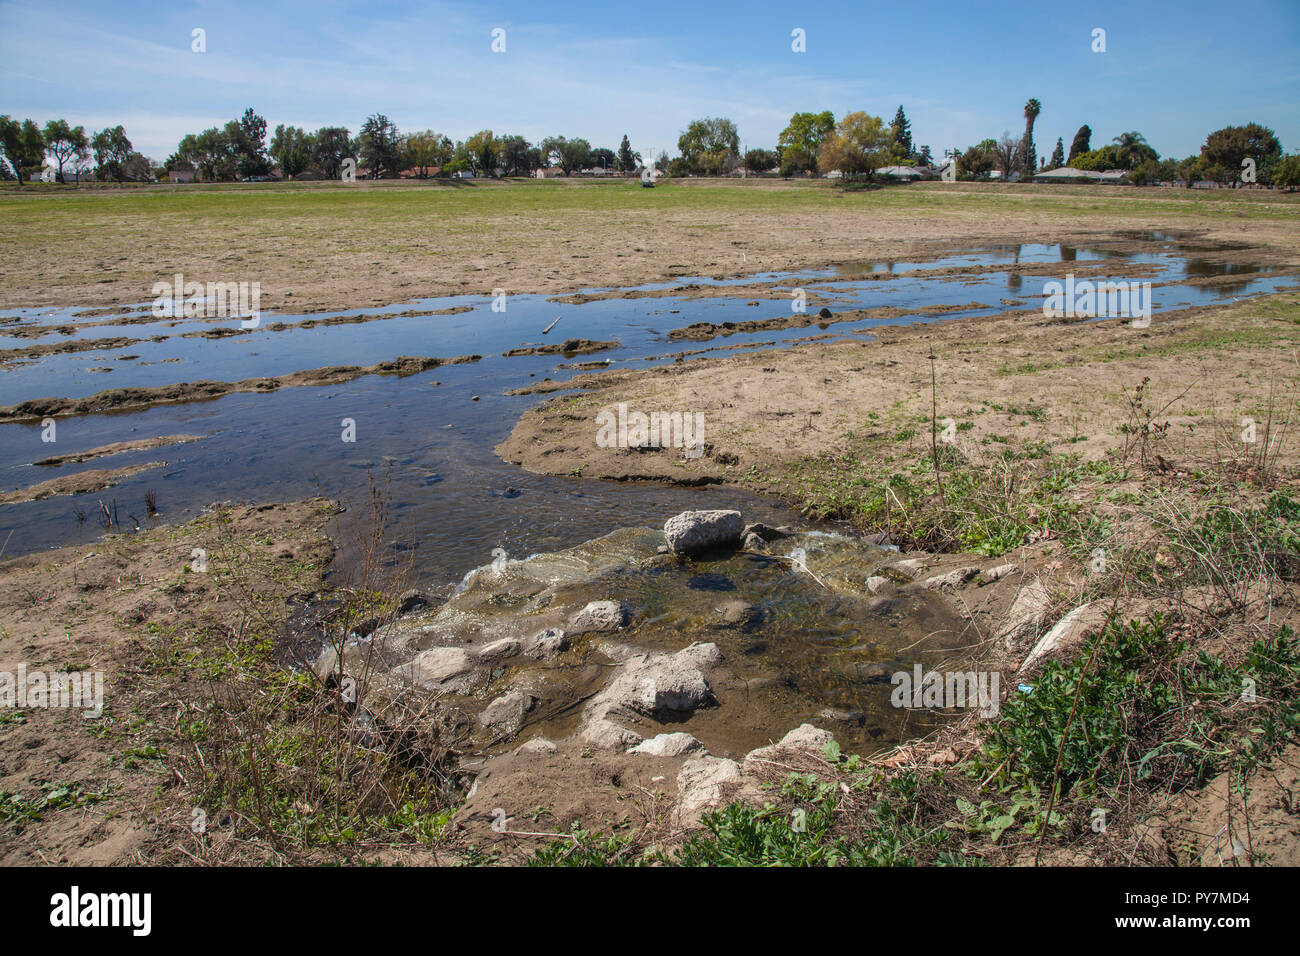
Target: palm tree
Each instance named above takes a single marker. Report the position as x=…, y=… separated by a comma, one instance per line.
x=1133, y=149
x=1028, y=152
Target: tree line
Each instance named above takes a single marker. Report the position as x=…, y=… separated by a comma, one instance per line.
x=1222, y=158
x=855, y=146
x=24, y=147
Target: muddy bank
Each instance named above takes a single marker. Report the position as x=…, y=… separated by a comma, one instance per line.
x=137, y=398
x=567, y=348
x=84, y=482
x=823, y=318
x=117, y=448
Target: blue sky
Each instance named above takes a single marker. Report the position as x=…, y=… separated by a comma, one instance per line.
x=963, y=70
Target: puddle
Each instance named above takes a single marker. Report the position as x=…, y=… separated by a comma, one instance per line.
x=803, y=643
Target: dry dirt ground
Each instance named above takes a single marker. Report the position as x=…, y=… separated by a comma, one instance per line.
x=90, y=791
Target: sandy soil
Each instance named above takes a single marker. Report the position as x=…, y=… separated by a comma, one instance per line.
x=767, y=412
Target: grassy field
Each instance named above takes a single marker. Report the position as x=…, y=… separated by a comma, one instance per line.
x=333, y=246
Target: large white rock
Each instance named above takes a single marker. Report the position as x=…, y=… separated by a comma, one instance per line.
x=1066, y=633
x=505, y=715
x=436, y=667
x=693, y=531
x=804, y=739
x=705, y=782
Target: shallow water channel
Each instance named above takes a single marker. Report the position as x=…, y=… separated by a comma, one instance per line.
x=431, y=435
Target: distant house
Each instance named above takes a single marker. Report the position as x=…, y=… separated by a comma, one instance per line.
x=1068, y=174
x=548, y=172
x=901, y=172
x=182, y=172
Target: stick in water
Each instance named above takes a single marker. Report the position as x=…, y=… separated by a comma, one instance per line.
x=551, y=326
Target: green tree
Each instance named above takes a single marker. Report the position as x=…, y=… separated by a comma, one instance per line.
x=22, y=145
x=1132, y=150
x=760, y=160
x=1058, y=155
x=858, y=146
x=1225, y=149
x=112, y=151
x=247, y=138
x=484, y=150
x=801, y=141
x=709, y=145
x=1191, y=170
x=568, y=154
x=1287, y=173
x=603, y=158
x=212, y=154
x=331, y=145
x=902, y=133
x=380, y=146
x=64, y=142
x=1098, y=160
x=427, y=150
x=628, y=161
x=1028, y=151
x=518, y=157
x=1081, y=143
x=979, y=159
x=291, y=148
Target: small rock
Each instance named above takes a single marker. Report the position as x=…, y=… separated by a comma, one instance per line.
x=1001, y=571
x=765, y=532
x=499, y=650
x=668, y=745
x=1066, y=633
x=597, y=616
x=604, y=734
x=733, y=613
x=505, y=715
x=538, y=745
x=704, y=782
x=548, y=643
x=436, y=666
x=950, y=580
x=412, y=600
x=804, y=739
x=881, y=586
x=753, y=542
x=1027, y=612
x=694, y=531
x=911, y=567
